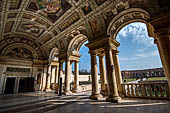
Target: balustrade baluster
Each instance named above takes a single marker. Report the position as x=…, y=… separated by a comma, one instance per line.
x=143, y=90
x=161, y=90
x=136, y=90
x=124, y=89
x=150, y=91
x=167, y=91
x=132, y=90
x=156, y=91
x=128, y=90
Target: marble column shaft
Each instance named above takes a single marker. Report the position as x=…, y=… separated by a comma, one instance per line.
x=102, y=75
x=161, y=56
x=53, y=69
x=163, y=37
x=60, y=74
x=117, y=71
x=48, y=78
x=113, y=91
x=76, y=76
x=67, y=76
x=94, y=74
x=56, y=74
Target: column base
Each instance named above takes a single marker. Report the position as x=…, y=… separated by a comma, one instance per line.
x=113, y=99
x=47, y=90
x=95, y=97
x=121, y=94
x=75, y=91
x=104, y=93
x=67, y=93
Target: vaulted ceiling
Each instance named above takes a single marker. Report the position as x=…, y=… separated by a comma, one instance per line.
x=73, y=17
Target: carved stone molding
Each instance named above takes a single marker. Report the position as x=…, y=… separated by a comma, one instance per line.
x=126, y=17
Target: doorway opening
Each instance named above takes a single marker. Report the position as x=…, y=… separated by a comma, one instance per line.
x=10, y=83
x=26, y=84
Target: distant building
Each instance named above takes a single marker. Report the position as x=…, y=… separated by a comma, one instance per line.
x=156, y=72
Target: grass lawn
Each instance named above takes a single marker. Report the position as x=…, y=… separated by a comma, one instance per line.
x=157, y=78
x=130, y=79
x=151, y=78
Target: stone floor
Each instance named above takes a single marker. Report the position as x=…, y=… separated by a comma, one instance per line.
x=42, y=102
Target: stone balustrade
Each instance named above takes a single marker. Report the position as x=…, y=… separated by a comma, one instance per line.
x=158, y=90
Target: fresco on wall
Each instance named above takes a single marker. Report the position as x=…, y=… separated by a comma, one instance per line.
x=20, y=53
x=94, y=26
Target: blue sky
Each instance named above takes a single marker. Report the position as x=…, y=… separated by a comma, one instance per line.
x=136, y=51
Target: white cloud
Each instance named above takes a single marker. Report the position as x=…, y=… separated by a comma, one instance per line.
x=148, y=54
x=138, y=33
x=139, y=56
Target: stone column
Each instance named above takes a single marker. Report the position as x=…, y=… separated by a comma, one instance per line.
x=161, y=56
x=117, y=72
x=163, y=37
x=76, y=77
x=53, y=69
x=94, y=74
x=103, y=75
x=48, y=79
x=67, y=77
x=56, y=74
x=113, y=91
x=60, y=73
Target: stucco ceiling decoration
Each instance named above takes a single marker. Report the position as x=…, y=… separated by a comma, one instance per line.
x=126, y=17
x=54, y=54
x=56, y=25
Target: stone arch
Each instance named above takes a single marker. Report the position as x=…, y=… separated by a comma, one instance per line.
x=54, y=54
x=9, y=48
x=77, y=42
x=126, y=17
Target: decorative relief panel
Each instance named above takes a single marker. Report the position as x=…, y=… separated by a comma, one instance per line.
x=126, y=17
x=12, y=15
x=69, y=21
x=37, y=19
x=24, y=70
x=15, y=4
x=32, y=28
x=94, y=26
x=9, y=41
x=20, y=53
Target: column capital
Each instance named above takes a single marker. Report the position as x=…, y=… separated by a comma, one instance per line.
x=156, y=42
x=76, y=61
x=115, y=52
x=162, y=32
x=108, y=48
x=93, y=52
